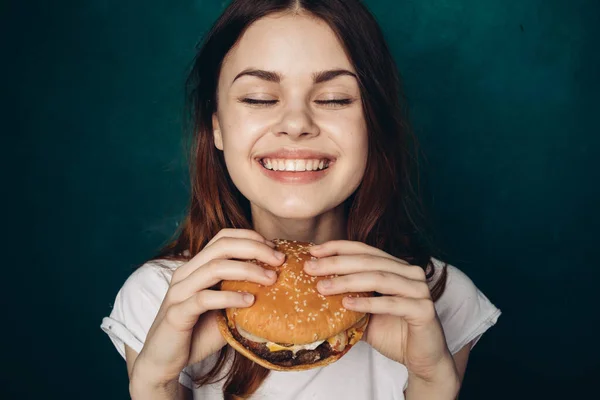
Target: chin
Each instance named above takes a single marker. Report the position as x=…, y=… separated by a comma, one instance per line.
x=296, y=208
x=291, y=326
x=295, y=213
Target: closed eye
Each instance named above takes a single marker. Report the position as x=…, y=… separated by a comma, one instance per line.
x=255, y=101
x=338, y=102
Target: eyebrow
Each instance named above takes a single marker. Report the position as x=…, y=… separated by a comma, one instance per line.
x=270, y=76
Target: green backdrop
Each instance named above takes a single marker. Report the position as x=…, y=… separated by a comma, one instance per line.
x=504, y=96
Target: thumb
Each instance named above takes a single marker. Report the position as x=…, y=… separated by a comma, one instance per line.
x=206, y=337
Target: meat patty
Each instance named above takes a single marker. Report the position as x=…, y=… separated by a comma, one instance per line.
x=285, y=358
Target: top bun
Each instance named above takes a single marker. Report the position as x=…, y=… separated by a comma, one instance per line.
x=292, y=310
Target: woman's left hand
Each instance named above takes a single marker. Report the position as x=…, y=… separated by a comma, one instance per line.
x=404, y=325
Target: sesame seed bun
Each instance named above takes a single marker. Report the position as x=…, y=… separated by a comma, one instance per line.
x=291, y=311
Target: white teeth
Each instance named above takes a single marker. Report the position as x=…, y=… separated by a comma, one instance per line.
x=294, y=165
x=300, y=165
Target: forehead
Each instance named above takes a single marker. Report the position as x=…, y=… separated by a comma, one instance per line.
x=291, y=44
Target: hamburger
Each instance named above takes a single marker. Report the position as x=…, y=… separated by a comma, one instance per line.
x=291, y=326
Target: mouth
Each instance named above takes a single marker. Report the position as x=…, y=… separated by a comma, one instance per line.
x=295, y=171
x=295, y=165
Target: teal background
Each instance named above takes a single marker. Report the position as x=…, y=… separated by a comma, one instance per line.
x=504, y=96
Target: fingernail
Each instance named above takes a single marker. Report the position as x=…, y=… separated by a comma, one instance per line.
x=311, y=264
x=324, y=284
x=248, y=298
x=270, y=273
x=279, y=255
x=269, y=243
x=316, y=247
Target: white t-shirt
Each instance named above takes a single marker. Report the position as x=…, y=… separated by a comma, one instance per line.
x=363, y=373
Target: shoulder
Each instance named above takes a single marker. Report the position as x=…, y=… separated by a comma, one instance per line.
x=459, y=287
x=151, y=279
x=464, y=311
x=137, y=303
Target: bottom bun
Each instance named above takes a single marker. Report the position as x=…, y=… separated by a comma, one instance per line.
x=228, y=336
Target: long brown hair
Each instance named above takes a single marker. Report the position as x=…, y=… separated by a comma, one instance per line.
x=385, y=211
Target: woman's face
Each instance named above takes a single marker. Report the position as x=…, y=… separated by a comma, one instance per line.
x=288, y=99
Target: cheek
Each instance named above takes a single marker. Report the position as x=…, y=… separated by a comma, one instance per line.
x=351, y=136
x=242, y=128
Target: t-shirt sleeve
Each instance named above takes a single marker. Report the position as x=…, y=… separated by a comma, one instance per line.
x=136, y=305
x=465, y=312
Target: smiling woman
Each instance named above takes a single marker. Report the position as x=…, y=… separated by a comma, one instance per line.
x=296, y=110
x=300, y=136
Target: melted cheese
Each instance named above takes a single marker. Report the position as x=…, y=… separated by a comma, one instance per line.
x=277, y=347
x=338, y=342
x=295, y=348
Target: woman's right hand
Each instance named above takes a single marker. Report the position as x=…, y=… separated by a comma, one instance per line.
x=185, y=329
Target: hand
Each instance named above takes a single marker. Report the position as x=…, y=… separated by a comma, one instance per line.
x=404, y=325
x=185, y=330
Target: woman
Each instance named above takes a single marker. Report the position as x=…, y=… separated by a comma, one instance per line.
x=299, y=134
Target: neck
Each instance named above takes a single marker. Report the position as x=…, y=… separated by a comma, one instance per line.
x=322, y=228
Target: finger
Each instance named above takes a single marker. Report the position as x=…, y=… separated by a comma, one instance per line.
x=349, y=264
x=240, y=234
x=414, y=311
x=226, y=248
x=381, y=282
x=348, y=247
x=183, y=316
x=214, y=272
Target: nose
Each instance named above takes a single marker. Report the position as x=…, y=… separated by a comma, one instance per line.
x=297, y=122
